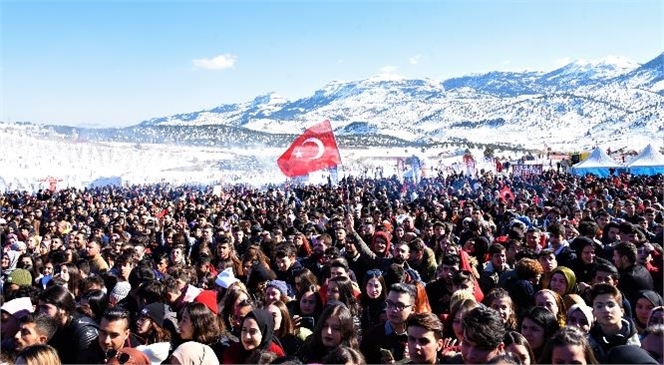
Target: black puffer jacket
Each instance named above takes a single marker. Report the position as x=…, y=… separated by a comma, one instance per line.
x=601, y=344
x=74, y=340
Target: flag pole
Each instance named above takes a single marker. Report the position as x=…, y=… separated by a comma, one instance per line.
x=338, y=155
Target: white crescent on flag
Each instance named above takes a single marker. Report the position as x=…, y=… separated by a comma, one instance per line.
x=317, y=142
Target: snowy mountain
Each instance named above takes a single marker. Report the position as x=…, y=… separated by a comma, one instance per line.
x=650, y=76
x=583, y=103
x=582, y=73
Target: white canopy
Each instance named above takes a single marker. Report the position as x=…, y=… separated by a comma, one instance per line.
x=649, y=162
x=598, y=163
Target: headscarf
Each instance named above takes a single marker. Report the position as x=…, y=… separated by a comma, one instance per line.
x=13, y=261
x=265, y=321
x=585, y=309
x=653, y=311
x=194, y=353
x=569, y=276
x=654, y=298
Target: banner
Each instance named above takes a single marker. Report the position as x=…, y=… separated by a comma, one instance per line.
x=526, y=170
x=52, y=182
x=469, y=161
x=334, y=176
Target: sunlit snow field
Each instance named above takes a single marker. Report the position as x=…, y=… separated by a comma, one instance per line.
x=27, y=162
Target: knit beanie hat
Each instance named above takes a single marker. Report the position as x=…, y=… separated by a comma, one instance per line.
x=120, y=291
x=20, y=277
x=279, y=284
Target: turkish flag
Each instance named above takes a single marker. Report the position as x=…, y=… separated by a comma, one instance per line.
x=506, y=193
x=316, y=149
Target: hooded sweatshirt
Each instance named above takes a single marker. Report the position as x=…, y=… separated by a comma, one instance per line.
x=388, y=244
x=601, y=344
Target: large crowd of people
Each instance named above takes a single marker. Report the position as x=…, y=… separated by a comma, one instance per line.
x=549, y=268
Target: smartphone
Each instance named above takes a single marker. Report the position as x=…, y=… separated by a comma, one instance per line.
x=307, y=322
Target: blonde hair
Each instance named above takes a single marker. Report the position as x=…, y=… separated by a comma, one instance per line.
x=459, y=296
x=40, y=355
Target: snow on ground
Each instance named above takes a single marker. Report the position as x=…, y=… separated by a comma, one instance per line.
x=27, y=162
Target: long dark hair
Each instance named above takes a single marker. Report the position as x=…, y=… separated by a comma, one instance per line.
x=32, y=269
x=97, y=304
x=74, y=277
x=568, y=336
x=314, y=348
x=286, y=326
x=60, y=297
x=514, y=337
x=204, y=322
x=373, y=274
x=304, y=290
x=346, y=294
x=544, y=319
x=231, y=296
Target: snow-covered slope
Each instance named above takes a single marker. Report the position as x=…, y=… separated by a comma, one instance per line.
x=581, y=100
x=584, y=102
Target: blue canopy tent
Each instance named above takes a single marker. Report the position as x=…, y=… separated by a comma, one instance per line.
x=598, y=163
x=648, y=162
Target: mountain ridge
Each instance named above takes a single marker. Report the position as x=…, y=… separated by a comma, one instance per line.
x=580, y=102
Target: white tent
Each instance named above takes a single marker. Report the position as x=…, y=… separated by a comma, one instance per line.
x=598, y=163
x=648, y=162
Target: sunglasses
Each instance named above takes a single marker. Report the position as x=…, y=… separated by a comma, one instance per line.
x=374, y=272
x=122, y=357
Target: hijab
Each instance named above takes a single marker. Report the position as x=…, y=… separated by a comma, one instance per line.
x=265, y=321
x=569, y=276
x=13, y=261
x=654, y=298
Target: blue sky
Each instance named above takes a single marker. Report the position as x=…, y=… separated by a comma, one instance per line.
x=116, y=63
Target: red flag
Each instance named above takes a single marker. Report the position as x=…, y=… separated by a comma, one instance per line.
x=314, y=150
x=162, y=214
x=506, y=193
